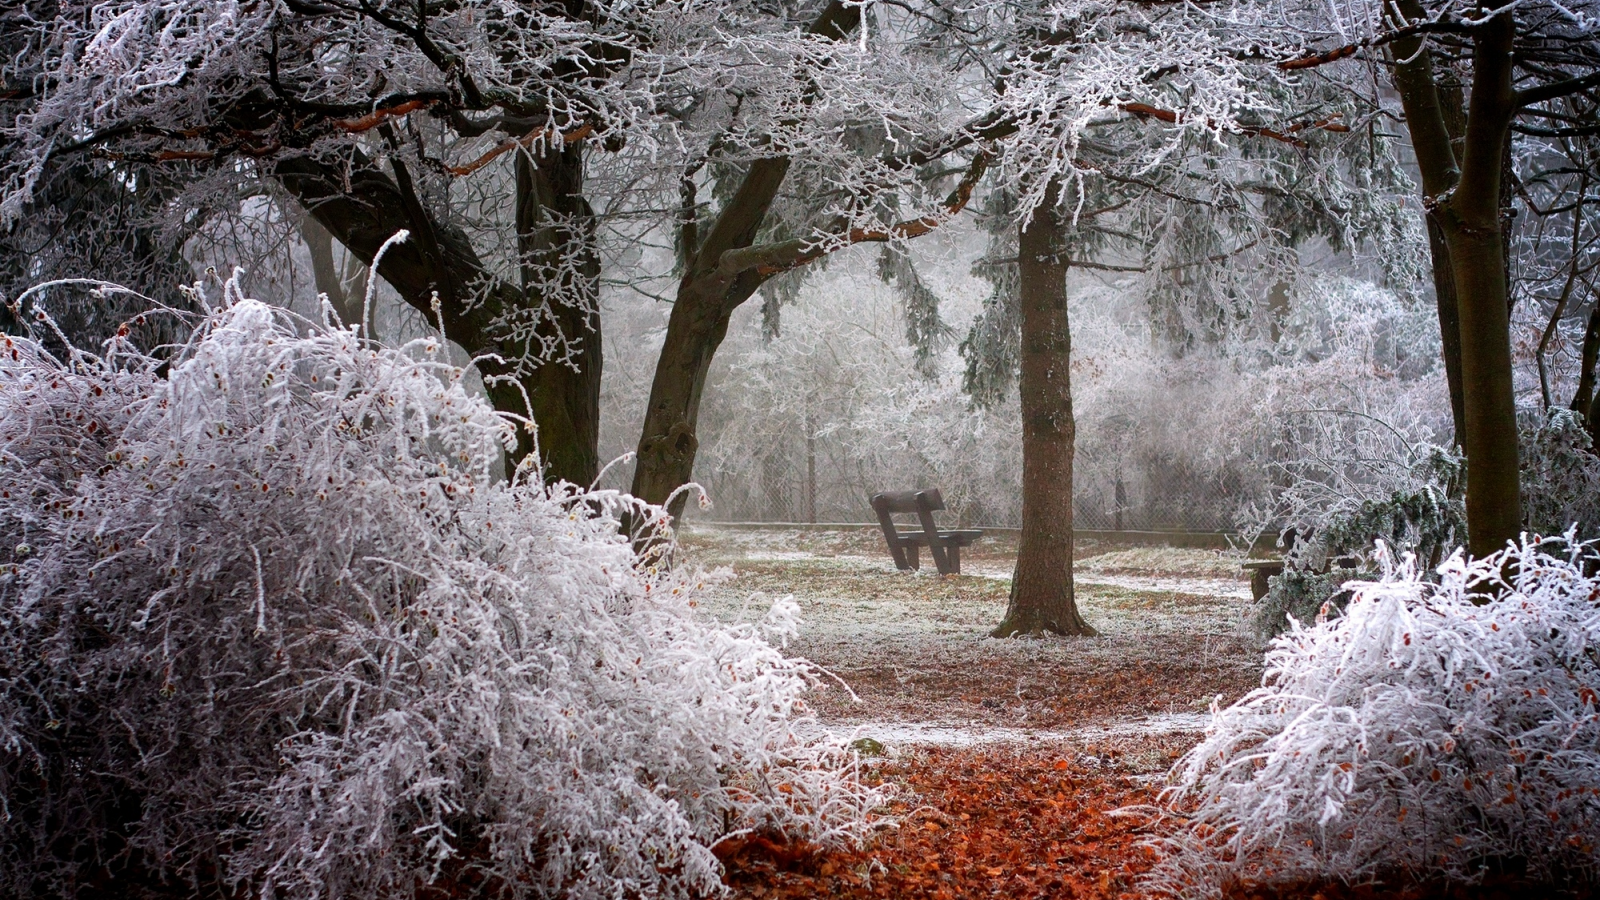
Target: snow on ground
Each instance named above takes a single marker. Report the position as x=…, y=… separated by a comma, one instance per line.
x=1212, y=587
x=897, y=735
x=921, y=669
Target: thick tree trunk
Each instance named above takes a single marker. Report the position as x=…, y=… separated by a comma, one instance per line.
x=668, y=442
x=363, y=206
x=1452, y=107
x=1470, y=218
x=1042, y=598
x=1437, y=123
x=1462, y=192
x=707, y=296
x=555, y=238
x=711, y=289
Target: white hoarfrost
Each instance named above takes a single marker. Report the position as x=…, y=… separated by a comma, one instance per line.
x=268, y=617
x=1420, y=734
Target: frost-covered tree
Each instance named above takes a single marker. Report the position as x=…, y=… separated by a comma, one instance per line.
x=98, y=220
x=89, y=219
x=480, y=128
x=841, y=156
x=1152, y=142
x=374, y=118
x=1556, y=251
x=1508, y=68
x=839, y=405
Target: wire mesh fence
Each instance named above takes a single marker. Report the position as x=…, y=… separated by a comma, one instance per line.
x=819, y=490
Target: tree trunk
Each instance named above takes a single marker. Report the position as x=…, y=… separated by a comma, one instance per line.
x=708, y=294
x=363, y=206
x=554, y=225
x=326, y=272
x=1042, y=598
x=1462, y=193
x=1444, y=293
x=668, y=443
x=1470, y=218
x=1437, y=122
x=1583, y=398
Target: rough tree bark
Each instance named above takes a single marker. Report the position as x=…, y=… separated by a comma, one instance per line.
x=362, y=206
x=1437, y=123
x=1462, y=195
x=1470, y=219
x=553, y=221
x=716, y=280
x=1042, y=598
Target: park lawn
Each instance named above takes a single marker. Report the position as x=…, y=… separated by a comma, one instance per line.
x=1018, y=767
x=914, y=649
x=1006, y=756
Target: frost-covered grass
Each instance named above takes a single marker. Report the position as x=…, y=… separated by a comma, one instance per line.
x=268, y=619
x=1418, y=735
x=916, y=648
x=1173, y=561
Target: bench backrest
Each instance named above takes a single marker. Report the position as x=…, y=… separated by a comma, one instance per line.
x=923, y=503
x=906, y=501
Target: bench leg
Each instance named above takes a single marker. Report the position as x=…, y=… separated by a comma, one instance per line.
x=913, y=556
x=953, y=553
x=1258, y=584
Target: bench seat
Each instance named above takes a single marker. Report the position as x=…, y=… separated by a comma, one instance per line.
x=961, y=537
x=1262, y=569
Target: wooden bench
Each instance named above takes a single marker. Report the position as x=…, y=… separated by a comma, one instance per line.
x=1262, y=569
x=945, y=545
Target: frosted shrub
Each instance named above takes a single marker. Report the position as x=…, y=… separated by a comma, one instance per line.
x=1424, y=511
x=1417, y=735
x=1425, y=516
x=266, y=619
x=1560, y=474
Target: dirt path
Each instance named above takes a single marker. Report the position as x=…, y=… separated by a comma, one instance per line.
x=898, y=737
x=1006, y=754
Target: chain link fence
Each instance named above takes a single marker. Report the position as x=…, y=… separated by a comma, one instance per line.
x=823, y=486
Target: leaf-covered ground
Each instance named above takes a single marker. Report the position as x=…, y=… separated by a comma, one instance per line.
x=989, y=822
x=1008, y=756
x=1038, y=739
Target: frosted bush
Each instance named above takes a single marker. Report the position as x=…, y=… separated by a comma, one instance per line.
x=1426, y=517
x=1418, y=735
x=267, y=619
x=1560, y=474
x=1424, y=511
